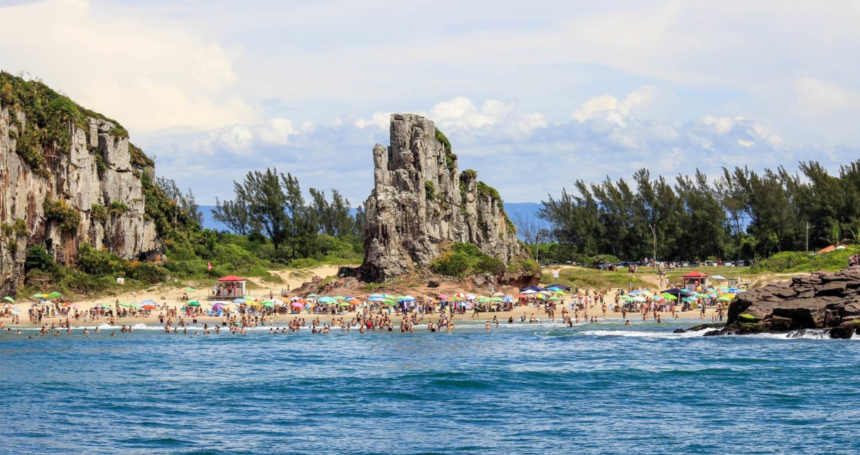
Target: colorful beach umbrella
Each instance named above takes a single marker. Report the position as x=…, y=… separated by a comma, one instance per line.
x=9, y=299
x=149, y=307
x=39, y=296
x=268, y=304
x=239, y=300
x=343, y=304
x=193, y=303
x=54, y=295
x=325, y=299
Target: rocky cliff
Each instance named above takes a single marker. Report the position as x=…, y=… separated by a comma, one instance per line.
x=68, y=176
x=421, y=203
x=822, y=300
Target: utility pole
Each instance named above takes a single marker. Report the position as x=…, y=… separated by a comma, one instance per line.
x=654, y=231
x=537, y=247
x=807, y=236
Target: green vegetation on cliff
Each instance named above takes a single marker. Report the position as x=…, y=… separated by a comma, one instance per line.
x=48, y=115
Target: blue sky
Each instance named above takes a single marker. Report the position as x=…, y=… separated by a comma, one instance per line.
x=532, y=94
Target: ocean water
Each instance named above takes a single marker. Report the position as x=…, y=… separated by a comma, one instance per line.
x=597, y=388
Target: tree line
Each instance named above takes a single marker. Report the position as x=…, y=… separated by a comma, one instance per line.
x=272, y=205
x=741, y=214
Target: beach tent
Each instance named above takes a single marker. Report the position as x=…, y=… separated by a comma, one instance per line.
x=233, y=285
x=532, y=288
x=561, y=286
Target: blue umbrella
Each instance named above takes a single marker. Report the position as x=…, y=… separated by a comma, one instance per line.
x=325, y=300
x=239, y=300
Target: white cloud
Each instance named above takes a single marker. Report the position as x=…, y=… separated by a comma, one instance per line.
x=241, y=139
x=380, y=120
x=611, y=109
x=146, y=73
x=819, y=97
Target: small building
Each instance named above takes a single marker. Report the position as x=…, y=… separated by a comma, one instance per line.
x=695, y=279
x=230, y=286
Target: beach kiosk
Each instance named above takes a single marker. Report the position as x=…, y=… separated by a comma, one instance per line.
x=695, y=279
x=230, y=286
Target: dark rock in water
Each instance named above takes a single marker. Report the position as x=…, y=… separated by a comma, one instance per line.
x=714, y=333
x=679, y=331
x=843, y=332
x=822, y=300
x=711, y=325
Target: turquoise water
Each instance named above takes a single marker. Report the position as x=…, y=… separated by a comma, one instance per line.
x=599, y=388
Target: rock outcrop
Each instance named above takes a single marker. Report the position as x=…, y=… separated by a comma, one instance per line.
x=421, y=202
x=86, y=188
x=822, y=300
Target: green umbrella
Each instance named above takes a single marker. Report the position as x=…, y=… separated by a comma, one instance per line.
x=724, y=299
x=105, y=305
x=39, y=296
x=702, y=296
x=9, y=299
x=123, y=304
x=496, y=299
x=136, y=306
x=339, y=297
x=668, y=296
x=268, y=303
x=190, y=290
x=483, y=300
x=555, y=299
x=389, y=302
x=54, y=295
x=343, y=304
x=193, y=303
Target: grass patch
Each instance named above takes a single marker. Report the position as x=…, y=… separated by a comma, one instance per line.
x=596, y=279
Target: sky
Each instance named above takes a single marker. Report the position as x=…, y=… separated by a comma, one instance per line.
x=532, y=94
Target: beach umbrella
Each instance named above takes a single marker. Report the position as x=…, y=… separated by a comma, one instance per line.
x=9, y=299
x=268, y=304
x=14, y=308
x=442, y=296
x=639, y=299
x=39, y=296
x=637, y=292
x=325, y=299
x=239, y=300
x=339, y=297
x=377, y=299
x=688, y=299
x=483, y=300
x=389, y=302
x=298, y=305
x=123, y=304
x=375, y=296
x=701, y=296
x=668, y=296
x=149, y=307
x=193, y=303
x=498, y=294
x=407, y=298
x=135, y=305
x=105, y=305
x=311, y=295
x=190, y=289
x=343, y=304
x=54, y=295
x=529, y=292
x=725, y=299
x=216, y=307
x=555, y=299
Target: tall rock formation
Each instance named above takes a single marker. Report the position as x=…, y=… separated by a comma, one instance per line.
x=68, y=176
x=421, y=202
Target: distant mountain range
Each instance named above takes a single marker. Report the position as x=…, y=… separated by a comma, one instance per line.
x=517, y=211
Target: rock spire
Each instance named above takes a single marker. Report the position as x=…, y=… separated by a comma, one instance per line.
x=422, y=203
